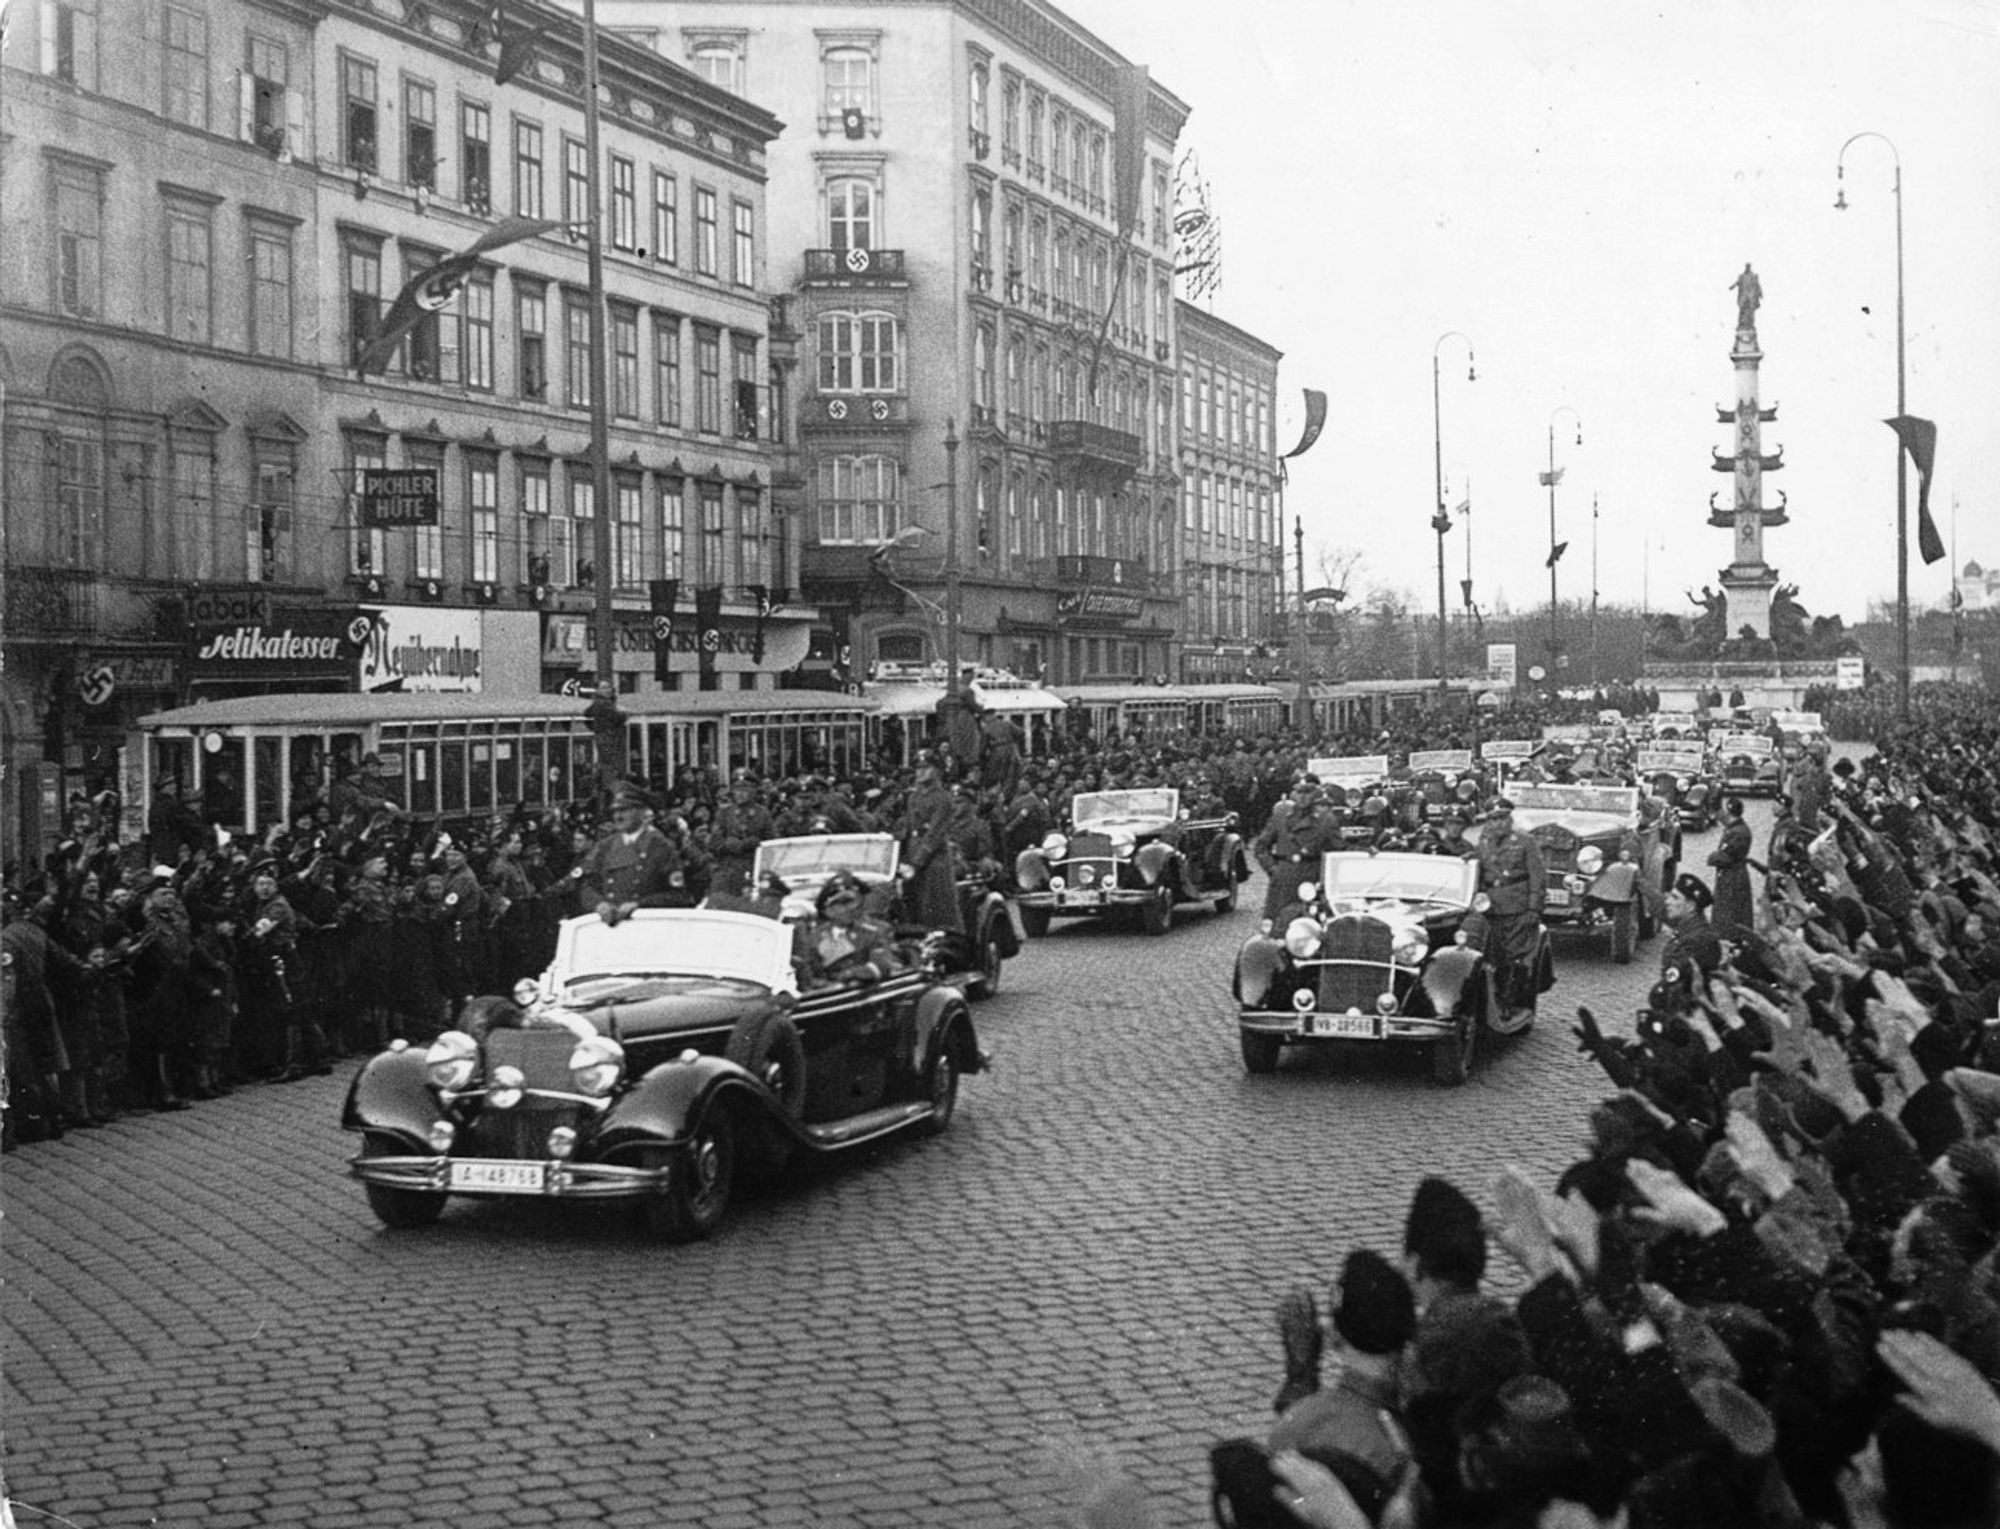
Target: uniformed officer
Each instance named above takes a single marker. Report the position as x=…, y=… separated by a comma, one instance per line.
x=741, y=824
x=926, y=835
x=1692, y=951
x=634, y=866
x=1290, y=846
x=1515, y=881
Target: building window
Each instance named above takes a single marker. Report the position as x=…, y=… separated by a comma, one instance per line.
x=628, y=529
x=427, y=542
x=367, y=551
x=707, y=381
x=1162, y=223
x=1097, y=156
x=195, y=546
x=1017, y=375
x=364, y=296
x=482, y=498
x=849, y=75
x=743, y=244
x=982, y=237
x=859, y=499
x=1038, y=528
x=477, y=302
x=1038, y=385
x=420, y=156
x=78, y=193
x=667, y=369
x=982, y=371
x=1012, y=237
x=576, y=187
x=860, y=353
x=579, y=538
x=1010, y=120
x=1036, y=105
x=187, y=67
x=1061, y=271
x=1058, y=149
x=850, y=213
x=270, y=291
x=270, y=536
x=1017, y=545
x=673, y=527
x=1079, y=156
x=708, y=496
x=190, y=271
x=475, y=156
x=1038, y=260
x=976, y=108
x=527, y=169
x=625, y=362
x=268, y=115
x=69, y=41
x=749, y=536
x=746, y=376
x=357, y=117
x=624, y=204
x=666, y=218
x=532, y=323
x=720, y=61
x=576, y=348
x=704, y=231
x=536, y=526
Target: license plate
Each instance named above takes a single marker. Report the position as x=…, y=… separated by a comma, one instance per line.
x=1558, y=897
x=1078, y=899
x=1354, y=1027
x=498, y=1177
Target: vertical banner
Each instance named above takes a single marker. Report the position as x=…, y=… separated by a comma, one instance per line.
x=760, y=594
x=664, y=592
x=708, y=629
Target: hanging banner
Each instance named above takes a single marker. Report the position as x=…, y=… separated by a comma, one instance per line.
x=664, y=592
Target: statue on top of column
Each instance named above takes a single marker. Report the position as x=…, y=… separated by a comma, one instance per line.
x=1749, y=297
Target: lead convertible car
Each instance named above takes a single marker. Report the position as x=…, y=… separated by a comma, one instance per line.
x=1373, y=953
x=652, y=1062
x=1130, y=850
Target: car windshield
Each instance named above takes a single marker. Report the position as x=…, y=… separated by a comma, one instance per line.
x=809, y=861
x=1746, y=743
x=1442, y=761
x=1621, y=800
x=696, y=943
x=1095, y=809
x=1409, y=878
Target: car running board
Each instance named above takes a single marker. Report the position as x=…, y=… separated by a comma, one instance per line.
x=873, y=1123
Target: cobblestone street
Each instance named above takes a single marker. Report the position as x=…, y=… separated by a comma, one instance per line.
x=206, y=1326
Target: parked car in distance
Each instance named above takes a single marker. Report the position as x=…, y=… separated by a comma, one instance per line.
x=970, y=958
x=1126, y=850
x=1595, y=848
x=653, y=1063
x=1374, y=954
x=1683, y=782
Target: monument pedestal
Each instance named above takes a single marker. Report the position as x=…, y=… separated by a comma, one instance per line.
x=1747, y=598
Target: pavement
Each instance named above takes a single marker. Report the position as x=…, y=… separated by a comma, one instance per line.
x=204, y=1325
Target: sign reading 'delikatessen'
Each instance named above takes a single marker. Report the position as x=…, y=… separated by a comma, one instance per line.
x=399, y=496
x=303, y=643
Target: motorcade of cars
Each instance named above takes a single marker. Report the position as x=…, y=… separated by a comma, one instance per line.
x=970, y=958
x=654, y=1063
x=1444, y=782
x=1358, y=784
x=1506, y=758
x=1595, y=848
x=1749, y=764
x=1130, y=850
x=1376, y=952
x=1683, y=781
x=1799, y=732
x=1668, y=725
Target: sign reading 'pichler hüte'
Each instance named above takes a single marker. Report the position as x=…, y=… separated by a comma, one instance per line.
x=406, y=496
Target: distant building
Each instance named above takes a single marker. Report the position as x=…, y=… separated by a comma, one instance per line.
x=1978, y=589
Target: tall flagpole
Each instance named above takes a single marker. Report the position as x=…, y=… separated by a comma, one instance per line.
x=600, y=421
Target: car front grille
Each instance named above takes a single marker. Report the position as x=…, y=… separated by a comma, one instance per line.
x=1089, y=847
x=542, y=1055
x=1359, y=947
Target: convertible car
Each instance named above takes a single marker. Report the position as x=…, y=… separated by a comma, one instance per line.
x=1376, y=952
x=1682, y=781
x=971, y=959
x=656, y=1060
x=1130, y=849
x=1596, y=847
x=1750, y=764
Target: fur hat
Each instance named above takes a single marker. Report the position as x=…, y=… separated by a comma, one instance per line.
x=1375, y=1313
x=1443, y=1233
x=1695, y=890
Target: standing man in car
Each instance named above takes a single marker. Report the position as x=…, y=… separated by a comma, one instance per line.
x=634, y=866
x=1515, y=881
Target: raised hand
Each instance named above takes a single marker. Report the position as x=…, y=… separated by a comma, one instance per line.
x=1519, y=1227
x=1833, y=1076
x=1942, y=1387
x=1756, y=1158
x=1670, y=1203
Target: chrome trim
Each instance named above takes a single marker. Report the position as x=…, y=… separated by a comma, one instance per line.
x=569, y=1180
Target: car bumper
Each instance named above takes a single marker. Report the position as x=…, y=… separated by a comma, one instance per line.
x=1089, y=899
x=1311, y=1025
x=510, y=1178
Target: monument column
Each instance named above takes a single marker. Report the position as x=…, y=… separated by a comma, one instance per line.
x=1748, y=580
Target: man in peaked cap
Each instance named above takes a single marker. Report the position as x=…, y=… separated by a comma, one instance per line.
x=635, y=865
x=1692, y=947
x=1515, y=880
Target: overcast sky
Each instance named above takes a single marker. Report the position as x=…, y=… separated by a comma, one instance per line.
x=1574, y=184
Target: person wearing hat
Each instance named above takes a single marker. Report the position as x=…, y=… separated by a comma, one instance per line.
x=741, y=823
x=1291, y=844
x=633, y=866
x=1515, y=881
x=1735, y=916
x=926, y=834
x=840, y=943
x=1692, y=948
x=35, y=1057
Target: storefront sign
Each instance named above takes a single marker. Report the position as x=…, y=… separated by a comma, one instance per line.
x=392, y=497
x=229, y=607
x=422, y=647
x=295, y=644
x=1103, y=604
x=569, y=641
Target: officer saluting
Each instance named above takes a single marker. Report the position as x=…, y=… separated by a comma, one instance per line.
x=634, y=866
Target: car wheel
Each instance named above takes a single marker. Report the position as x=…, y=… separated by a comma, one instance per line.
x=401, y=1210
x=767, y=1046
x=701, y=1180
x=1260, y=1052
x=1034, y=922
x=990, y=962
x=1451, y=1058
x=941, y=1089
x=1624, y=922
x=1226, y=903
x=1158, y=915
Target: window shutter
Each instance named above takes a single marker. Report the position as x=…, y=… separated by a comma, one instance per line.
x=246, y=106
x=295, y=123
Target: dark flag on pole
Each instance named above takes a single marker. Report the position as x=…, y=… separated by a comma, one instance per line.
x=1465, y=592
x=431, y=290
x=1550, y=479
x=665, y=593
x=517, y=45
x=1555, y=554
x=761, y=595
x=1919, y=438
x=708, y=629
x=1314, y=423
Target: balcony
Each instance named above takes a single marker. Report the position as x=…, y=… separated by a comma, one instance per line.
x=854, y=267
x=1095, y=448
x=1076, y=571
x=54, y=604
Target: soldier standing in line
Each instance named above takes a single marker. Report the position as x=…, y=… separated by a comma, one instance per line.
x=926, y=834
x=741, y=824
x=1515, y=880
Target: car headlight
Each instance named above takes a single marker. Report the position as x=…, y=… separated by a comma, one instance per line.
x=451, y=1061
x=1590, y=860
x=1055, y=846
x=1121, y=848
x=527, y=993
x=505, y=1087
x=1308, y=891
x=1086, y=875
x=1681, y=784
x=1481, y=903
x=1302, y=937
x=596, y=1065
x=1410, y=948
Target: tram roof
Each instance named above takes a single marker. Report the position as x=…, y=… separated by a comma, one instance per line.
x=357, y=709
x=1112, y=694
x=1220, y=691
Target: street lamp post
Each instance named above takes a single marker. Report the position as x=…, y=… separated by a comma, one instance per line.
x=1551, y=478
x=951, y=591
x=1440, y=520
x=1902, y=466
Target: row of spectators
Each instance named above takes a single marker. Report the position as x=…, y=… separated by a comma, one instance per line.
x=1768, y=1292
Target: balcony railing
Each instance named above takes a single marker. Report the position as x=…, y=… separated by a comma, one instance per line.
x=45, y=603
x=1095, y=445
x=854, y=265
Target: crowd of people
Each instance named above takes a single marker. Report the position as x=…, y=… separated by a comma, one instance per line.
x=1767, y=1293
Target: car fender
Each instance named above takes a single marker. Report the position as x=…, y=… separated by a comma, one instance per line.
x=1616, y=883
x=1031, y=870
x=391, y=1094
x=1448, y=974
x=943, y=1018
x=992, y=915
x=1152, y=861
x=665, y=1104
x=1257, y=966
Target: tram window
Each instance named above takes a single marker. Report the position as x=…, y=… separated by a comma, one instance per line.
x=395, y=771
x=559, y=769
x=583, y=768
x=268, y=775
x=479, y=789
x=423, y=777
x=222, y=799
x=506, y=771
x=173, y=760
x=534, y=783
x=451, y=774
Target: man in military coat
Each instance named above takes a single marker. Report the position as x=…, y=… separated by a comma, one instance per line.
x=1515, y=881
x=634, y=866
